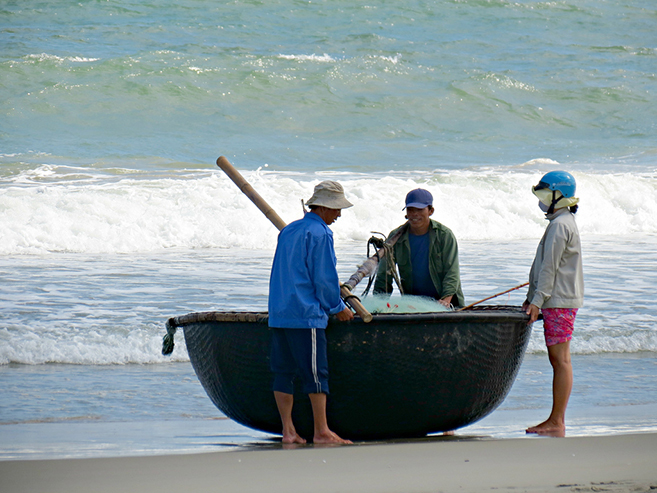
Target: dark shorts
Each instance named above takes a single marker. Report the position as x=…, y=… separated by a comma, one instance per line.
x=299, y=352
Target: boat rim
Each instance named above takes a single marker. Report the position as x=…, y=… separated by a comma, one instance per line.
x=482, y=313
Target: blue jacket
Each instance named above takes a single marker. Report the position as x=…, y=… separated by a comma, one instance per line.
x=303, y=287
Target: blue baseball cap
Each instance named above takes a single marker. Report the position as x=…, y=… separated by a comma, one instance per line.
x=418, y=198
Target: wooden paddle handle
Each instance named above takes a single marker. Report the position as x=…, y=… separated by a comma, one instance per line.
x=353, y=301
x=271, y=214
x=250, y=192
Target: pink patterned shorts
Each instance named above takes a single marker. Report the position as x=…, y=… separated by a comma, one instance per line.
x=558, y=324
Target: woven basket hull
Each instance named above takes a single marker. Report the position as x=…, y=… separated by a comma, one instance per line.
x=402, y=375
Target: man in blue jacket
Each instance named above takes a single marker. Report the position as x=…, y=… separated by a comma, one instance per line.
x=304, y=290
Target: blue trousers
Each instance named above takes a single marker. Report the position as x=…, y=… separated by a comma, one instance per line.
x=299, y=352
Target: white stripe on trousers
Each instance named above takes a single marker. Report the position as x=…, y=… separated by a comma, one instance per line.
x=314, y=360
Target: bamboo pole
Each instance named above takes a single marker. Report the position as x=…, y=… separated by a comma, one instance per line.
x=491, y=297
x=271, y=214
x=250, y=192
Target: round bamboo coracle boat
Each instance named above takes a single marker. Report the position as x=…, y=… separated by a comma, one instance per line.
x=399, y=376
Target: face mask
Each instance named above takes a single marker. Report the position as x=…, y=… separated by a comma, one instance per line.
x=543, y=207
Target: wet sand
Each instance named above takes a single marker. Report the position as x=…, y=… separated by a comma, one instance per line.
x=538, y=464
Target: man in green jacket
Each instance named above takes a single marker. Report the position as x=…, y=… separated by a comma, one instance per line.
x=427, y=255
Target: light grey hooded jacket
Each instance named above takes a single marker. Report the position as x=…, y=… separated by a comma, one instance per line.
x=556, y=279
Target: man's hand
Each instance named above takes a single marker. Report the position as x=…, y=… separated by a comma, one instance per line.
x=446, y=301
x=345, y=315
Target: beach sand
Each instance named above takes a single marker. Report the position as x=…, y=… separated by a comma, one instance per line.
x=449, y=464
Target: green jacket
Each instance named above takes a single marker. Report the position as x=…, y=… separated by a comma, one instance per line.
x=443, y=264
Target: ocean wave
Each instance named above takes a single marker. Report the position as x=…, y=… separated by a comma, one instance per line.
x=55, y=208
x=46, y=57
x=86, y=345
x=142, y=345
x=313, y=58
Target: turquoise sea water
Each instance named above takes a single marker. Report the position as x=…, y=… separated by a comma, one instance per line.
x=113, y=216
x=339, y=85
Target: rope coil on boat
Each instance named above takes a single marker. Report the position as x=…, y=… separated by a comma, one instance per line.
x=389, y=254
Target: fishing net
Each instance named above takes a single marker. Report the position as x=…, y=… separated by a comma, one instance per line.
x=402, y=304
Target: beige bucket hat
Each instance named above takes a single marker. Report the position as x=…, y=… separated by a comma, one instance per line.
x=329, y=194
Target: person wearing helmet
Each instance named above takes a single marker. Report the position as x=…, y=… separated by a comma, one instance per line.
x=426, y=254
x=304, y=290
x=556, y=288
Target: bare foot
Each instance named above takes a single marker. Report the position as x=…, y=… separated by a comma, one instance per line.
x=553, y=433
x=549, y=428
x=330, y=438
x=293, y=438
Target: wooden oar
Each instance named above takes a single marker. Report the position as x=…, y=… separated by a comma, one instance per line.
x=270, y=213
x=250, y=192
x=491, y=297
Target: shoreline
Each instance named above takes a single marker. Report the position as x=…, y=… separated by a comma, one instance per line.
x=609, y=463
x=121, y=411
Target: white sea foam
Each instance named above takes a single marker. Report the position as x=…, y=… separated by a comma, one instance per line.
x=196, y=243
x=53, y=208
x=312, y=58
x=100, y=345
x=48, y=57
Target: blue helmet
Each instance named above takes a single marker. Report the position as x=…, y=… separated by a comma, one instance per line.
x=562, y=181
